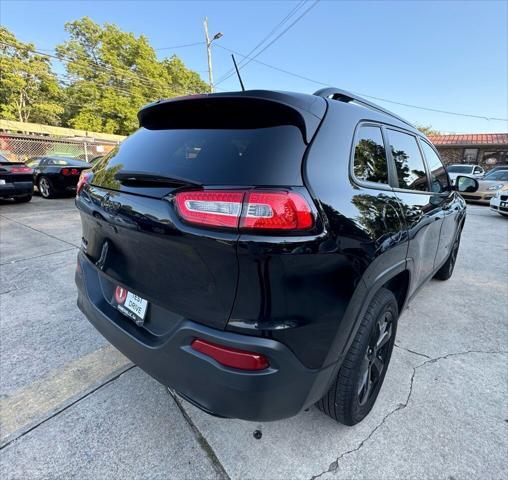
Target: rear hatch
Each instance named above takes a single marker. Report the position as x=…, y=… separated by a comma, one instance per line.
x=69, y=168
x=11, y=172
x=132, y=228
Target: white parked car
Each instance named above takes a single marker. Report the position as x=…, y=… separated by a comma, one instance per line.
x=457, y=169
x=499, y=202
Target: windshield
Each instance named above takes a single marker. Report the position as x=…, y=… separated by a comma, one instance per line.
x=460, y=168
x=498, y=175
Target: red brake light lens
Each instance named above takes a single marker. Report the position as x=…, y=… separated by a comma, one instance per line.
x=84, y=178
x=20, y=170
x=215, y=208
x=74, y=171
x=65, y=171
x=257, y=210
x=276, y=211
x=231, y=357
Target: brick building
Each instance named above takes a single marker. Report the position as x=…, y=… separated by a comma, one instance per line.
x=485, y=149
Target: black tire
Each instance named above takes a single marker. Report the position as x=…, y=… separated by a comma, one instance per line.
x=46, y=187
x=446, y=271
x=23, y=199
x=353, y=393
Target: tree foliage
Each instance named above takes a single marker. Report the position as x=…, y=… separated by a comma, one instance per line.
x=428, y=130
x=29, y=90
x=113, y=73
x=110, y=74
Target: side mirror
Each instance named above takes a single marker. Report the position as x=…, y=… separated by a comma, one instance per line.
x=466, y=184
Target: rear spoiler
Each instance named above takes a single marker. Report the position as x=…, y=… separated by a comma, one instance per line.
x=249, y=109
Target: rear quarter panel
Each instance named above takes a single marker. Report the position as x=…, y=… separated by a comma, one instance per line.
x=307, y=292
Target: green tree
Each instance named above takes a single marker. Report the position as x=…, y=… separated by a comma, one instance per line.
x=428, y=130
x=113, y=73
x=29, y=90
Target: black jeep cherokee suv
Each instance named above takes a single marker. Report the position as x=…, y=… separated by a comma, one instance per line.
x=253, y=250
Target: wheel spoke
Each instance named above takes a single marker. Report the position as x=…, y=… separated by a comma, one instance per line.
x=378, y=366
x=384, y=339
x=365, y=387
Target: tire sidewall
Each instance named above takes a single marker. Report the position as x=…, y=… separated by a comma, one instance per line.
x=359, y=412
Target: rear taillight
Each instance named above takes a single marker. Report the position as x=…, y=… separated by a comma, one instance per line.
x=20, y=170
x=69, y=171
x=276, y=211
x=256, y=210
x=214, y=208
x=84, y=178
x=231, y=357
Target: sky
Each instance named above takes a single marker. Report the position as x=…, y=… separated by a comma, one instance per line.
x=450, y=55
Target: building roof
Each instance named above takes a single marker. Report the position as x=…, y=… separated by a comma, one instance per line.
x=69, y=133
x=470, y=139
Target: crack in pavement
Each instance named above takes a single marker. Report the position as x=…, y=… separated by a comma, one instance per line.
x=412, y=351
x=334, y=466
x=202, y=441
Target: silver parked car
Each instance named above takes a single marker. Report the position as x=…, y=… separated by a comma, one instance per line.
x=457, y=169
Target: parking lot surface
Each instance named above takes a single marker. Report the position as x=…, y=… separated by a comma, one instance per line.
x=72, y=406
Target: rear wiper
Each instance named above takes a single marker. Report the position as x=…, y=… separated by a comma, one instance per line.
x=152, y=179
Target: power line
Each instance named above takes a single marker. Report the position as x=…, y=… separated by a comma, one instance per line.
x=67, y=77
x=180, y=46
x=101, y=68
x=274, y=40
x=323, y=84
x=288, y=16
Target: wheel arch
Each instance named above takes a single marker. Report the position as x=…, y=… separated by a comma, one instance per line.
x=397, y=279
x=399, y=286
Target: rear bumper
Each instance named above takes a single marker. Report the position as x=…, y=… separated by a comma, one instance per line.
x=16, y=189
x=65, y=184
x=280, y=391
x=500, y=205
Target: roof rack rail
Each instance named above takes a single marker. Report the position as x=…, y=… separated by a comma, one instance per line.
x=344, y=96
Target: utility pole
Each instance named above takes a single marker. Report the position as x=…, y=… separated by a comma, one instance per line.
x=209, y=51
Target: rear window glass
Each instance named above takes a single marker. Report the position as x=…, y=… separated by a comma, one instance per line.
x=370, y=162
x=259, y=156
x=58, y=161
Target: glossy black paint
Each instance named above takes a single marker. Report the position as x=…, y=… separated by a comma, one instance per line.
x=50, y=168
x=302, y=293
x=306, y=292
x=183, y=271
x=14, y=185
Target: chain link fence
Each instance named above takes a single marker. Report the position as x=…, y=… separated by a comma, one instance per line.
x=20, y=148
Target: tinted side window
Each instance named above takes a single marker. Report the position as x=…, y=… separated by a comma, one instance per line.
x=370, y=162
x=438, y=177
x=408, y=161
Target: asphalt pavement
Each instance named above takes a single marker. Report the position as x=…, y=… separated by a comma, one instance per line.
x=71, y=406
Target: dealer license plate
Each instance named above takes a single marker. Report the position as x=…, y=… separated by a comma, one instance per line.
x=131, y=305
